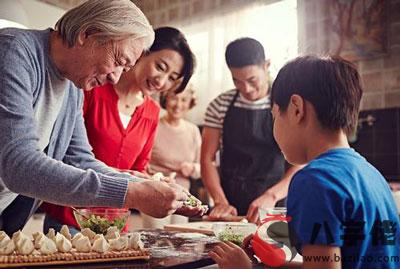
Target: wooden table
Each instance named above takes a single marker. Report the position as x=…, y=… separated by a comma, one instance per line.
x=168, y=250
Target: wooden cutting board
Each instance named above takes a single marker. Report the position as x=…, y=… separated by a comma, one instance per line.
x=204, y=227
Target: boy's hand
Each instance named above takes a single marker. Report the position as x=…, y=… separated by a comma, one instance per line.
x=229, y=256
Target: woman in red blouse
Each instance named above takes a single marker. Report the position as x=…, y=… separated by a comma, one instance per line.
x=121, y=119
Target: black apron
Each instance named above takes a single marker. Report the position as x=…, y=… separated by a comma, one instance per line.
x=251, y=161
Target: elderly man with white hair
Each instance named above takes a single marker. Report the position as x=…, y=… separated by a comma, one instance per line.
x=44, y=151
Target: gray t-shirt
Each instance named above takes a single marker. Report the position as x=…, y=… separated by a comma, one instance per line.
x=49, y=103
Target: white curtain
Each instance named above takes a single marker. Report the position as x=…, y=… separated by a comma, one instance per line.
x=274, y=25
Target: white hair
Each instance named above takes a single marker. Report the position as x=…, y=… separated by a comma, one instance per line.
x=106, y=20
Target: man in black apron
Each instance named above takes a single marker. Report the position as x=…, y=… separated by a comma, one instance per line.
x=239, y=124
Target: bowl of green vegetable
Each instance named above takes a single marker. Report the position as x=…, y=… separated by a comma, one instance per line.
x=99, y=219
x=234, y=232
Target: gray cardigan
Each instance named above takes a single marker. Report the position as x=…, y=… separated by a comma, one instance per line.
x=67, y=173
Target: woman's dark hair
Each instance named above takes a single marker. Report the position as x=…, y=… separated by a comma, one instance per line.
x=171, y=38
x=331, y=84
x=243, y=52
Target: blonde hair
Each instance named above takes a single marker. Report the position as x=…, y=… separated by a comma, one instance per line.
x=107, y=20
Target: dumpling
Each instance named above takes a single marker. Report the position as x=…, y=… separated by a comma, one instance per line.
x=135, y=242
x=76, y=237
x=157, y=176
x=82, y=244
x=100, y=244
x=89, y=233
x=65, y=232
x=48, y=246
x=23, y=244
x=3, y=235
x=17, y=237
x=36, y=235
x=51, y=234
x=7, y=245
x=112, y=233
x=38, y=239
x=62, y=243
x=119, y=244
x=97, y=236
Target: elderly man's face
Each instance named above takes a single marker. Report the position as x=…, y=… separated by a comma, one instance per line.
x=99, y=63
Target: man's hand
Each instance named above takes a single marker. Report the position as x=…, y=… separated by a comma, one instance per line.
x=229, y=256
x=155, y=198
x=265, y=200
x=222, y=210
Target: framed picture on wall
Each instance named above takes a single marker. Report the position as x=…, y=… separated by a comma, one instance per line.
x=359, y=27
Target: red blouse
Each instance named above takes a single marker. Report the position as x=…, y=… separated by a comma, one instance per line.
x=112, y=144
x=128, y=148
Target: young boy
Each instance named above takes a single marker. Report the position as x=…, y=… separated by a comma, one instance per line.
x=343, y=214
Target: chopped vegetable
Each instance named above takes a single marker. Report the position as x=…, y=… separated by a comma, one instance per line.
x=192, y=201
x=229, y=235
x=100, y=225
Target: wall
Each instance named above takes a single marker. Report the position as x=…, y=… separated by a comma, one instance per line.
x=378, y=142
x=41, y=15
x=162, y=12
x=381, y=75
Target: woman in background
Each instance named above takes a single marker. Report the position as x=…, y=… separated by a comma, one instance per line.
x=177, y=147
x=121, y=120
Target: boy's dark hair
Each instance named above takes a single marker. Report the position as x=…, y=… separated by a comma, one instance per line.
x=171, y=38
x=243, y=52
x=331, y=84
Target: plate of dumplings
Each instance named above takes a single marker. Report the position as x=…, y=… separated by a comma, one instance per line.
x=58, y=248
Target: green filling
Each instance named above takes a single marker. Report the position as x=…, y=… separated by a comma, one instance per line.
x=192, y=201
x=100, y=225
x=229, y=235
